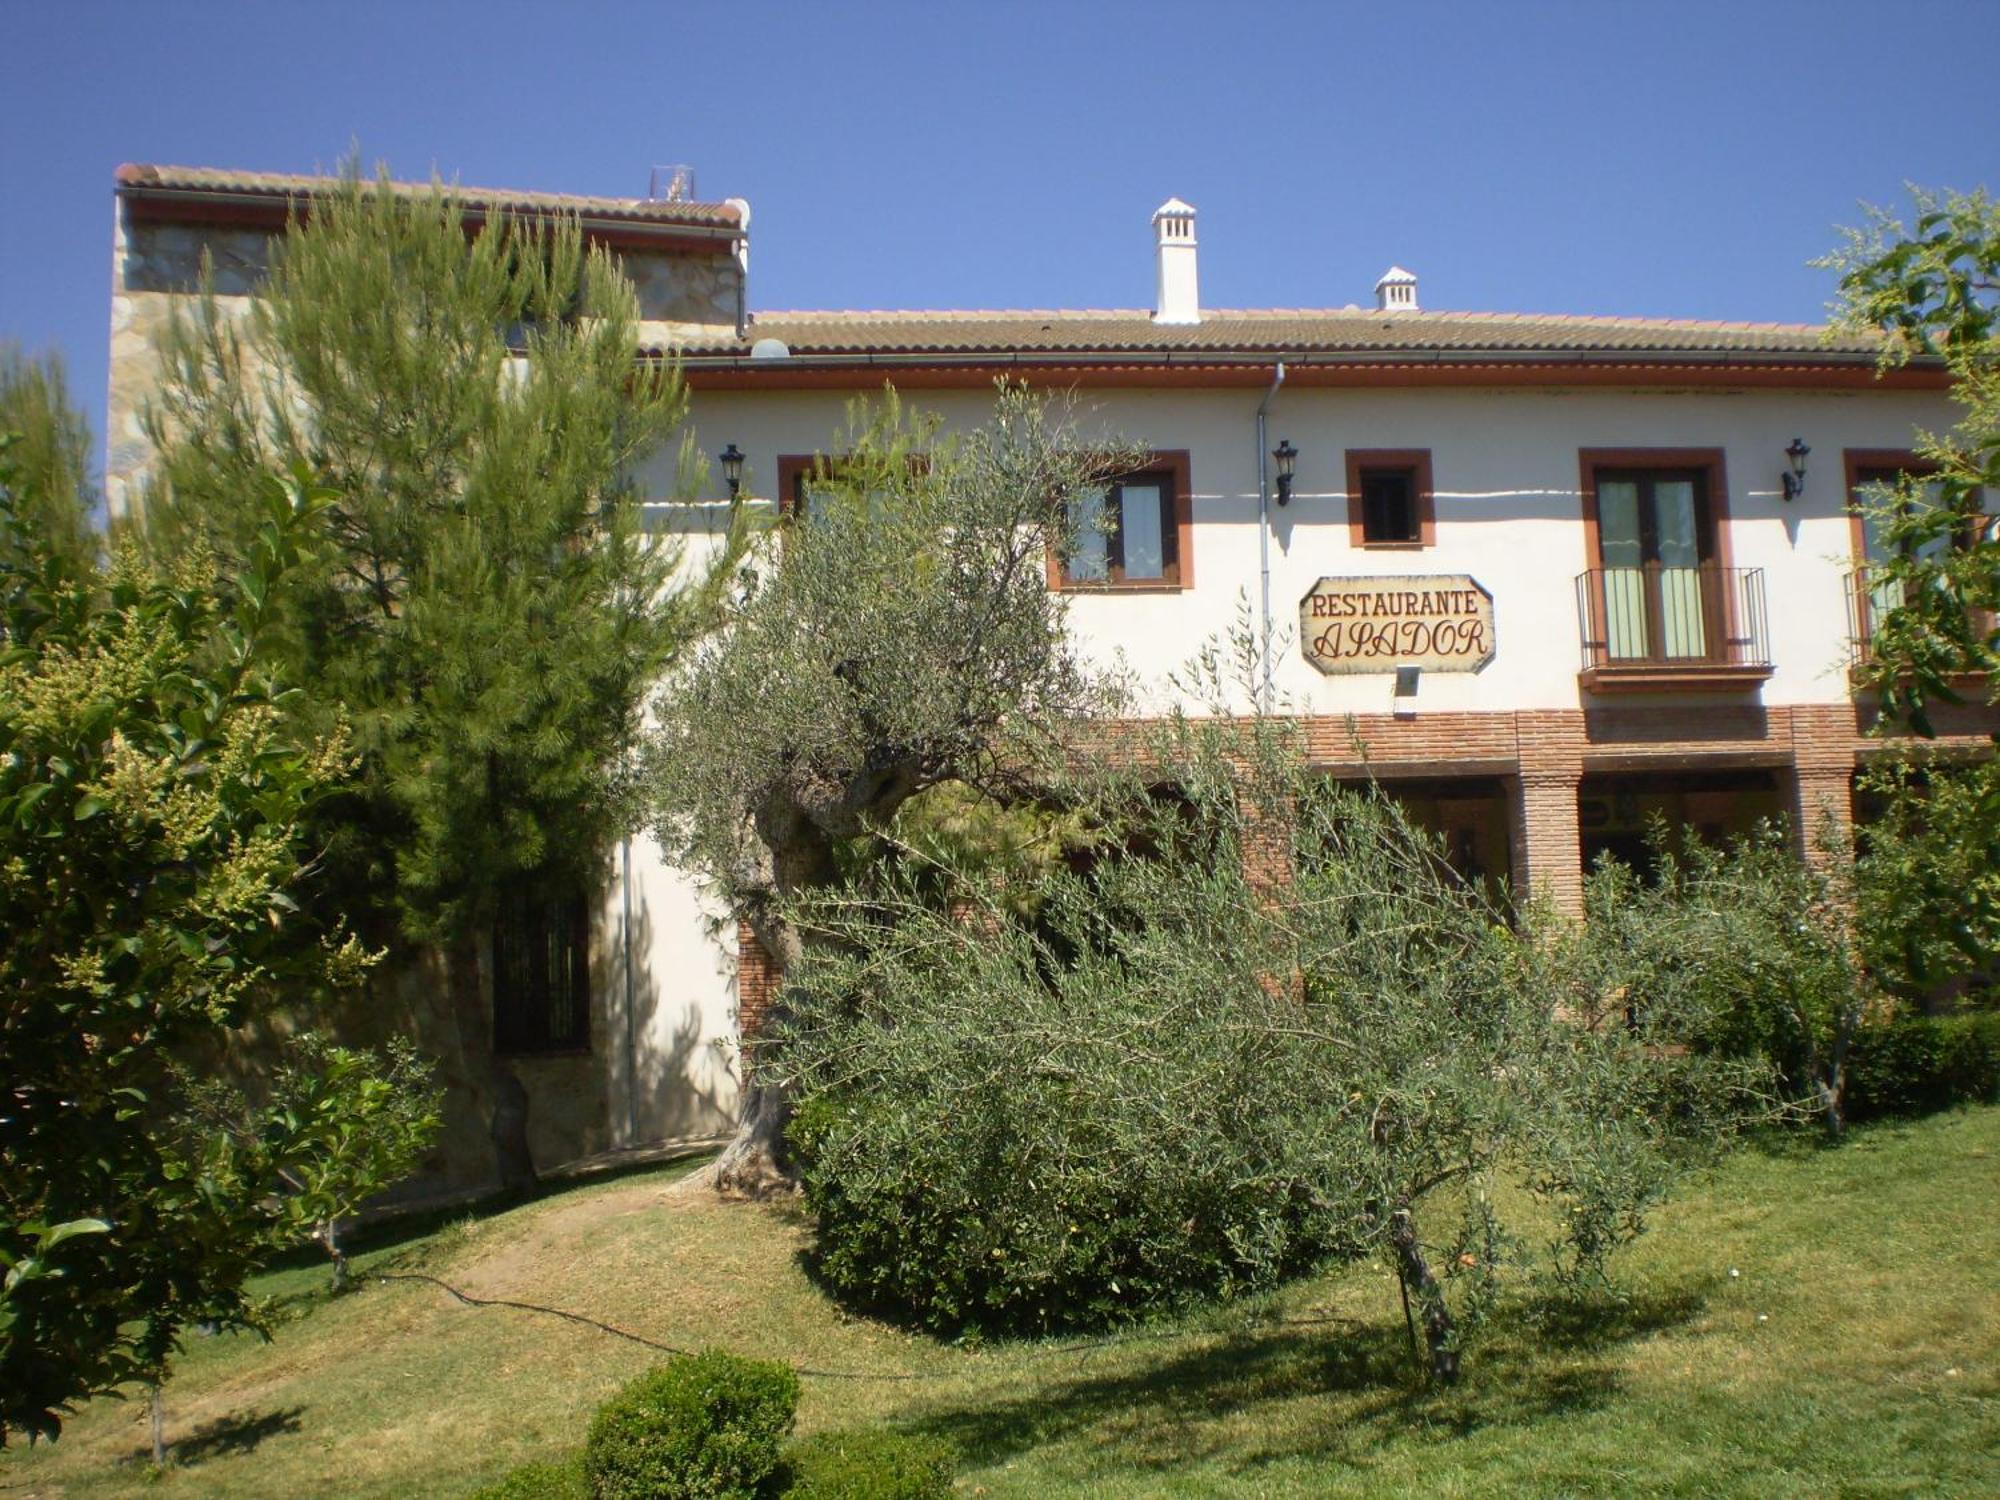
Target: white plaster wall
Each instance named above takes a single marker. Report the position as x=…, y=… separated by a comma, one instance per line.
x=1509, y=512
x=669, y=1053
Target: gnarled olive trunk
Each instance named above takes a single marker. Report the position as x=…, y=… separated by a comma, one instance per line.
x=797, y=855
x=1415, y=1272
x=756, y=1163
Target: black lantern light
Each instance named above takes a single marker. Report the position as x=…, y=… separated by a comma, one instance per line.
x=1795, y=476
x=732, y=469
x=1287, y=459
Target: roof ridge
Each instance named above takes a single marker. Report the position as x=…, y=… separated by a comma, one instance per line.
x=1263, y=314
x=940, y=314
x=231, y=179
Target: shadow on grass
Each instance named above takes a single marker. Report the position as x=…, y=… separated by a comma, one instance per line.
x=1796, y=1140
x=228, y=1437
x=1336, y=1394
x=1598, y=1323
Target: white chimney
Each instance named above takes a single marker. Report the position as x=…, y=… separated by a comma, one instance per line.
x=1180, y=299
x=1396, y=291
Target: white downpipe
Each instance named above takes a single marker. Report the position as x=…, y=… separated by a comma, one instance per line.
x=631, y=991
x=1264, y=538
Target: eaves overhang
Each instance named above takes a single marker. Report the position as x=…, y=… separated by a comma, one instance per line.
x=268, y=208
x=1832, y=369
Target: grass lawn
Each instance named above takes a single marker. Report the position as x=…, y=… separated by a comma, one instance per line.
x=1856, y=1353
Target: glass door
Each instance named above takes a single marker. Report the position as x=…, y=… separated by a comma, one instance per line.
x=1876, y=498
x=1654, y=541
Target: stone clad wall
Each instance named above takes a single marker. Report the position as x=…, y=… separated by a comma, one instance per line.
x=683, y=295
x=677, y=287
x=154, y=267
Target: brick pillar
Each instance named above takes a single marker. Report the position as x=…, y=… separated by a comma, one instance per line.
x=1822, y=808
x=756, y=983
x=1267, y=849
x=1267, y=866
x=1546, y=848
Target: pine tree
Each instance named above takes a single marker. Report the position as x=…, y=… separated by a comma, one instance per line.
x=493, y=612
x=53, y=493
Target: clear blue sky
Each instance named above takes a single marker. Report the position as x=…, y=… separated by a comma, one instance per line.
x=1671, y=159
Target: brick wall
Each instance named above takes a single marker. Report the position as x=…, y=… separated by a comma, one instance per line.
x=1824, y=750
x=1543, y=755
x=756, y=982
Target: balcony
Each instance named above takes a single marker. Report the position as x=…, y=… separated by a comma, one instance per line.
x=1655, y=629
x=1870, y=597
x=1872, y=594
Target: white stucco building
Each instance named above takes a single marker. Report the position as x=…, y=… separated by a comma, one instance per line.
x=1545, y=574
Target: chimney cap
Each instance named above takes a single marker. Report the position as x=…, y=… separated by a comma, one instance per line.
x=1396, y=291
x=1173, y=208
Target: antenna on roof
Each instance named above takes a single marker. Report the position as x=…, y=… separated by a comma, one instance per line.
x=671, y=184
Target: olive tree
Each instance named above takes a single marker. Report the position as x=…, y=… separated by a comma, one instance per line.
x=1264, y=1024
x=894, y=634
x=1933, y=288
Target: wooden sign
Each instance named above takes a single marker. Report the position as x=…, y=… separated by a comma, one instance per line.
x=1442, y=623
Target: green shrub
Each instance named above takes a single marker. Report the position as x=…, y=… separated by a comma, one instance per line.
x=1183, y=1077
x=983, y=1189
x=1743, y=948
x=1927, y=875
x=1916, y=1064
x=868, y=1464
x=541, y=1481
x=706, y=1426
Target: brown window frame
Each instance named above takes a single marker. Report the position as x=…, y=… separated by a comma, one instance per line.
x=1416, y=463
x=541, y=974
x=1712, y=537
x=1869, y=466
x=795, y=468
x=1860, y=466
x=1173, y=467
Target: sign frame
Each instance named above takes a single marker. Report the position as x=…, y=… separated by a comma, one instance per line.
x=1409, y=614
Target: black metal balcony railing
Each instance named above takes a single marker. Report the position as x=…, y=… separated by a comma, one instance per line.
x=1675, y=618
x=1871, y=594
x=1870, y=597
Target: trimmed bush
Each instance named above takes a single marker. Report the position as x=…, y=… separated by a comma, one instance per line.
x=1010, y=1203
x=1184, y=1078
x=1917, y=1064
x=868, y=1464
x=541, y=1481
x=706, y=1426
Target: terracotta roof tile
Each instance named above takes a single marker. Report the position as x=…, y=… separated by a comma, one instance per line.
x=1273, y=331
x=142, y=176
